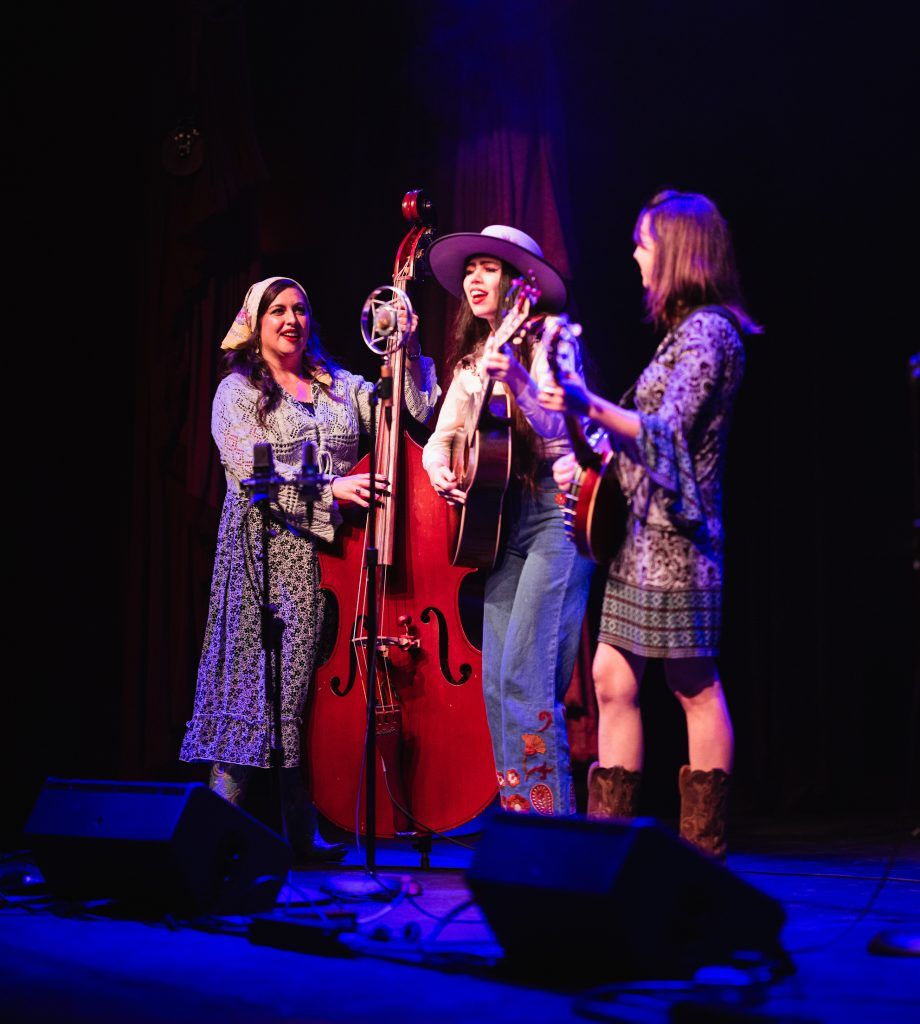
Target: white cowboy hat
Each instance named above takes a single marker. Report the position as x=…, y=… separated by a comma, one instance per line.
x=449, y=255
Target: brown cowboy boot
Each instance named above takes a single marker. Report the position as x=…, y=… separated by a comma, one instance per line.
x=612, y=792
x=229, y=781
x=704, y=809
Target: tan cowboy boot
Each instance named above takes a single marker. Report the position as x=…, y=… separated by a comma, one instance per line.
x=704, y=809
x=229, y=781
x=612, y=792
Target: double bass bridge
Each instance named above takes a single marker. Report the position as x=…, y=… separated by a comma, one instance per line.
x=406, y=641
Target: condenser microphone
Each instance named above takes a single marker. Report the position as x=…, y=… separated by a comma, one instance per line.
x=263, y=460
x=263, y=484
x=385, y=321
x=309, y=480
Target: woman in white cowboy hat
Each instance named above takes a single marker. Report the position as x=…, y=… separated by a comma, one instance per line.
x=280, y=387
x=664, y=588
x=535, y=596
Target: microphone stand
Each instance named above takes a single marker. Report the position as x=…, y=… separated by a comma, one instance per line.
x=262, y=487
x=372, y=886
x=382, y=392
x=384, y=325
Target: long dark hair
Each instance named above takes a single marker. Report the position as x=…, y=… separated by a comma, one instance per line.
x=694, y=262
x=248, y=361
x=470, y=331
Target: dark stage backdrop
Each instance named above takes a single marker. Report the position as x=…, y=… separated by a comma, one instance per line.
x=563, y=118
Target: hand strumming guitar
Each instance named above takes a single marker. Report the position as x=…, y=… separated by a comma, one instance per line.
x=445, y=482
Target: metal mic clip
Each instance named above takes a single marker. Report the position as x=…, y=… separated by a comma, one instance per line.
x=309, y=480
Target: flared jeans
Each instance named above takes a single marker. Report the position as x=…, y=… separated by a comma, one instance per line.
x=534, y=606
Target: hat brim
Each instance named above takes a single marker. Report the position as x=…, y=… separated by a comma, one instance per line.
x=449, y=255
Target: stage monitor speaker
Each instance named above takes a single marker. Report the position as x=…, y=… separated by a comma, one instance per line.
x=572, y=900
x=168, y=847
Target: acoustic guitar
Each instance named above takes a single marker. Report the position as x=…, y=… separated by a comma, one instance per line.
x=482, y=454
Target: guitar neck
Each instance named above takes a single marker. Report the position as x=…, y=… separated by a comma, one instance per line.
x=581, y=447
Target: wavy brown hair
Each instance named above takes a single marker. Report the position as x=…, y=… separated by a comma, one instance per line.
x=469, y=332
x=248, y=361
x=694, y=262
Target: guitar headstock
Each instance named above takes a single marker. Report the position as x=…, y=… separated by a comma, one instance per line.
x=560, y=339
x=520, y=298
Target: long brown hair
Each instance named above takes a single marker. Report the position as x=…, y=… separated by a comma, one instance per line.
x=248, y=360
x=694, y=262
x=471, y=331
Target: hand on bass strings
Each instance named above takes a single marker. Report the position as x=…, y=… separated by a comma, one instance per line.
x=401, y=319
x=355, y=490
x=445, y=482
x=409, y=333
x=571, y=397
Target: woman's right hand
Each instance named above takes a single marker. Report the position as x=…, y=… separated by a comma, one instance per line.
x=355, y=489
x=564, y=471
x=445, y=482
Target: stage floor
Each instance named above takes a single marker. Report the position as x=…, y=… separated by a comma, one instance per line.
x=430, y=957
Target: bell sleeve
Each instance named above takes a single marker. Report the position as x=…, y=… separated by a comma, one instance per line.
x=663, y=444
x=451, y=420
x=547, y=424
x=236, y=429
x=419, y=401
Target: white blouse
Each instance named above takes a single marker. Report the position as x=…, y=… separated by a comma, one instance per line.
x=467, y=385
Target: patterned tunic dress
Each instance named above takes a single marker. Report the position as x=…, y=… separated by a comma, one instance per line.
x=664, y=590
x=231, y=720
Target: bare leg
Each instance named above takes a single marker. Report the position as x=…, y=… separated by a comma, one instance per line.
x=617, y=675
x=710, y=738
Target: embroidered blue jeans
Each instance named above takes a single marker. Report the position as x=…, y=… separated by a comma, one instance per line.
x=534, y=605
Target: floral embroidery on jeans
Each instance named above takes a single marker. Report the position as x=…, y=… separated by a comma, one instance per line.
x=541, y=797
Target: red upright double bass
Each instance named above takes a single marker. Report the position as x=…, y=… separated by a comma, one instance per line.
x=435, y=767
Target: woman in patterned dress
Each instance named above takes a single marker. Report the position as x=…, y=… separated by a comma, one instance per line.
x=280, y=387
x=664, y=588
x=535, y=597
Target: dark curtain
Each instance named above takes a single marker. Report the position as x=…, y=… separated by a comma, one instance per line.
x=202, y=254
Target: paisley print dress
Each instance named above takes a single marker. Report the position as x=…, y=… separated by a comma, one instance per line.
x=231, y=719
x=663, y=597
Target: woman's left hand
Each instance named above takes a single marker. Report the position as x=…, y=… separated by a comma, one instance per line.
x=355, y=489
x=572, y=397
x=401, y=320
x=505, y=368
